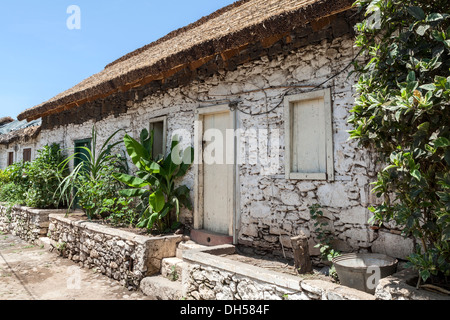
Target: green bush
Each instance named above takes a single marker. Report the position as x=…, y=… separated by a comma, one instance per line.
x=91, y=184
x=17, y=183
x=45, y=174
x=402, y=111
x=94, y=194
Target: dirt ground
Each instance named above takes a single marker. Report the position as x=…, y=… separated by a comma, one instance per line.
x=29, y=272
x=276, y=264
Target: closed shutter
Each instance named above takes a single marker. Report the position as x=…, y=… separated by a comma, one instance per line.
x=10, y=158
x=308, y=137
x=26, y=155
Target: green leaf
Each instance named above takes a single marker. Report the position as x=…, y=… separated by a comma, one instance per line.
x=131, y=193
x=447, y=156
x=416, y=174
x=439, y=36
x=425, y=274
x=135, y=150
x=434, y=17
x=130, y=180
x=441, y=142
x=157, y=201
x=411, y=76
x=428, y=87
x=446, y=234
x=416, y=12
x=422, y=29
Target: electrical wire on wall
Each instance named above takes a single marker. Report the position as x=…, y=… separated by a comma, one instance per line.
x=234, y=104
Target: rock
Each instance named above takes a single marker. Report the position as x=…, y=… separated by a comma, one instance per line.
x=94, y=254
x=333, y=195
x=160, y=288
x=290, y=198
x=355, y=215
x=393, y=245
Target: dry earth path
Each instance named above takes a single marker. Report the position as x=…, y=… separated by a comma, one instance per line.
x=30, y=272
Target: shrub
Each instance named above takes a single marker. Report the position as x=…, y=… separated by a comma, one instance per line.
x=402, y=111
x=45, y=174
x=155, y=183
x=95, y=193
x=91, y=183
x=14, y=191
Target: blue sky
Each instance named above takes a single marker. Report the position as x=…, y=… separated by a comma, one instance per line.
x=40, y=57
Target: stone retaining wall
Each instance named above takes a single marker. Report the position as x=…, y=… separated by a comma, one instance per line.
x=399, y=286
x=27, y=223
x=209, y=277
x=121, y=255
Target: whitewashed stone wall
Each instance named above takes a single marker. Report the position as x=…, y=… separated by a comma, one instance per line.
x=271, y=208
x=27, y=223
x=209, y=277
x=121, y=255
x=17, y=148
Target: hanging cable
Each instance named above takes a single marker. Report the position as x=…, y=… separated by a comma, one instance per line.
x=234, y=105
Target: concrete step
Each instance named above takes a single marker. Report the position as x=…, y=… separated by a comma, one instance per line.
x=45, y=243
x=171, y=268
x=187, y=245
x=160, y=288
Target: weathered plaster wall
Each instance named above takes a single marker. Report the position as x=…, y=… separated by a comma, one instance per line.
x=17, y=148
x=271, y=208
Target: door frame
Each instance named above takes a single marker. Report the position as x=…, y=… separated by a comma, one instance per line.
x=199, y=171
x=76, y=144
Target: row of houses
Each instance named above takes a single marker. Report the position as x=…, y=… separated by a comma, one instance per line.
x=274, y=70
x=19, y=140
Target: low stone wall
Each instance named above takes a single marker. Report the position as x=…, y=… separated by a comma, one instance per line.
x=210, y=277
x=398, y=287
x=121, y=255
x=27, y=223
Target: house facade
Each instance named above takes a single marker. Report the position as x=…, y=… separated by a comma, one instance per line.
x=19, y=141
x=261, y=90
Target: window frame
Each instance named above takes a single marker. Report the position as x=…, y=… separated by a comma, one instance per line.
x=30, y=150
x=288, y=103
x=162, y=119
x=10, y=161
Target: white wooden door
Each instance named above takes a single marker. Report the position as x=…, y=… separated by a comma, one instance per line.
x=218, y=178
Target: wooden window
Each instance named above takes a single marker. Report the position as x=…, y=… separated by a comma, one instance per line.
x=158, y=126
x=10, y=158
x=309, y=137
x=27, y=155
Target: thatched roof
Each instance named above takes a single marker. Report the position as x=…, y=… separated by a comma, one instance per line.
x=5, y=120
x=19, y=131
x=241, y=23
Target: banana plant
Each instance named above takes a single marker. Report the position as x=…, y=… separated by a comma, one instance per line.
x=155, y=182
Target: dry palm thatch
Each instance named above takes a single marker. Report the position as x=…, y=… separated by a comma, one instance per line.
x=237, y=25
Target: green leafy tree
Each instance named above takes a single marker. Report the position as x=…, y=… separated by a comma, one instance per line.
x=402, y=112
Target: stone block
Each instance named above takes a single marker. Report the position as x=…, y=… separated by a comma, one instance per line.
x=393, y=245
x=161, y=288
x=333, y=195
x=355, y=215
